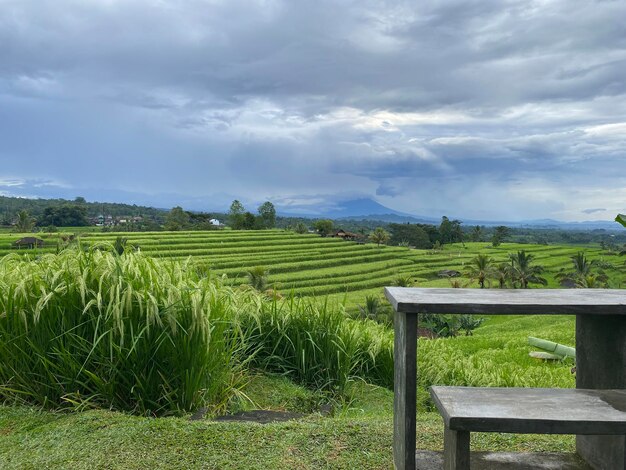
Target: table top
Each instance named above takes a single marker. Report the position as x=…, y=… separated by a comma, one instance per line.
x=532, y=410
x=508, y=301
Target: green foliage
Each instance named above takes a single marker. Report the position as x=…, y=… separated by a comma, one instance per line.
x=67, y=215
x=301, y=228
x=369, y=311
x=267, y=213
x=450, y=231
x=523, y=271
x=24, y=222
x=621, y=218
x=324, y=227
x=236, y=215
x=403, y=281
x=379, y=236
x=258, y=277
x=177, y=219
x=314, y=344
x=250, y=222
x=413, y=234
x=131, y=333
x=500, y=234
x=477, y=234
x=481, y=269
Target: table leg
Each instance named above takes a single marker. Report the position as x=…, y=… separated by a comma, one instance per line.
x=601, y=364
x=405, y=389
x=456, y=450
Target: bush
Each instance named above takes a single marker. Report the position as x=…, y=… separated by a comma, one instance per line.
x=123, y=332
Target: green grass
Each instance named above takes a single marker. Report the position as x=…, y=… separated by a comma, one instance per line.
x=358, y=436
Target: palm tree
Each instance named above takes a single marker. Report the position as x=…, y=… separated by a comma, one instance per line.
x=24, y=222
x=379, y=236
x=502, y=274
x=523, y=271
x=258, y=278
x=581, y=275
x=481, y=269
x=591, y=281
x=477, y=234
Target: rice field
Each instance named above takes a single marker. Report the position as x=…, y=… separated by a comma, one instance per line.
x=309, y=265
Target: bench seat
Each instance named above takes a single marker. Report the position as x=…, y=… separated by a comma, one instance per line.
x=524, y=411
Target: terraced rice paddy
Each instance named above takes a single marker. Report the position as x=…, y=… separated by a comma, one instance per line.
x=310, y=265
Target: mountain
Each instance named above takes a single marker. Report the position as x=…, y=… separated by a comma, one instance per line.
x=368, y=209
x=355, y=209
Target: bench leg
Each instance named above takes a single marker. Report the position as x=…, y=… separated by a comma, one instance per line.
x=456, y=450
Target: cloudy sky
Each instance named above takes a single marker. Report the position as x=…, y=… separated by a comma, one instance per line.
x=497, y=109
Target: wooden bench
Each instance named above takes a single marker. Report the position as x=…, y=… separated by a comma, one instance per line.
x=525, y=411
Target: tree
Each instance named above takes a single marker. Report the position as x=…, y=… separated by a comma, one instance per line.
x=267, y=212
x=499, y=235
x=249, y=222
x=450, y=231
x=24, y=222
x=481, y=269
x=581, y=275
x=236, y=215
x=445, y=230
x=477, y=234
x=523, y=271
x=301, y=228
x=323, y=226
x=67, y=215
x=502, y=274
x=380, y=236
x=177, y=219
x=409, y=234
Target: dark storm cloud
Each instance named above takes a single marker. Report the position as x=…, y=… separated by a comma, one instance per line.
x=184, y=100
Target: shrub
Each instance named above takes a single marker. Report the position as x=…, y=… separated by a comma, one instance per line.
x=124, y=332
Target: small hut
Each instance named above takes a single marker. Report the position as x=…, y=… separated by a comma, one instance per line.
x=346, y=235
x=28, y=242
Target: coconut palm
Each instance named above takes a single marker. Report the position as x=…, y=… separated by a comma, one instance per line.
x=502, y=274
x=581, y=275
x=481, y=269
x=24, y=222
x=523, y=271
x=380, y=236
x=591, y=281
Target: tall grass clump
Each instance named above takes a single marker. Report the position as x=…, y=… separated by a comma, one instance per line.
x=313, y=343
x=126, y=332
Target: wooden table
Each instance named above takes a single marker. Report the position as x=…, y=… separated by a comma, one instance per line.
x=600, y=349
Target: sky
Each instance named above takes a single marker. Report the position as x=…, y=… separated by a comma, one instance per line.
x=478, y=109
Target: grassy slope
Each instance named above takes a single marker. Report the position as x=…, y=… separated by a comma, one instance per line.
x=358, y=437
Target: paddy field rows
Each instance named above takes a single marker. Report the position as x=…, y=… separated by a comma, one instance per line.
x=310, y=265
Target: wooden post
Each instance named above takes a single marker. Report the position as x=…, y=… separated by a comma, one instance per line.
x=601, y=364
x=405, y=390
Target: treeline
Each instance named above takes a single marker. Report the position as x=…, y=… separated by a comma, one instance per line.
x=61, y=211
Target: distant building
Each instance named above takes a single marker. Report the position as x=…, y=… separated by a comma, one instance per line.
x=28, y=242
x=346, y=235
x=215, y=222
